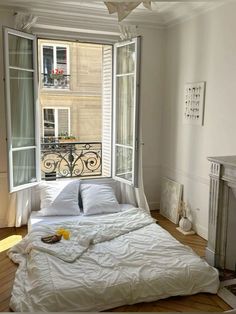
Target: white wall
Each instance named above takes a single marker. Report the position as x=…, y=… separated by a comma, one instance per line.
x=151, y=96
x=6, y=19
x=202, y=49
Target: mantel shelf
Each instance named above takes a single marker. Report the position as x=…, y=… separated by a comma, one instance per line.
x=224, y=160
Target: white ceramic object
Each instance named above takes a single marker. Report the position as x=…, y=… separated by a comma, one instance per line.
x=185, y=224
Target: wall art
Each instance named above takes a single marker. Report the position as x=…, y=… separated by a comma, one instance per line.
x=171, y=194
x=194, y=97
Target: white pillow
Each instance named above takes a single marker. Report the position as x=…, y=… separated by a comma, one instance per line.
x=98, y=199
x=59, y=198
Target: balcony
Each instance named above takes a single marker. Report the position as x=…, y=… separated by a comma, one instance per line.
x=71, y=159
x=60, y=81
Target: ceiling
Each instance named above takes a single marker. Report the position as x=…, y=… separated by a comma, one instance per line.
x=91, y=16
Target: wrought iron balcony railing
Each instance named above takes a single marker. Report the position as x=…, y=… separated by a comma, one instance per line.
x=71, y=159
x=61, y=81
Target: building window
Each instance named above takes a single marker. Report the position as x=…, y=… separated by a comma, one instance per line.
x=55, y=66
x=56, y=122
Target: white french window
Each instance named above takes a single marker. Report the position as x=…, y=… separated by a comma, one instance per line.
x=21, y=109
x=125, y=117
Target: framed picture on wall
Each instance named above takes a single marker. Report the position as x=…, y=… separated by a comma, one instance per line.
x=194, y=99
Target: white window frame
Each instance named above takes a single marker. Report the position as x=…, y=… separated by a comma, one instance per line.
x=135, y=146
x=55, y=46
x=12, y=188
x=56, y=119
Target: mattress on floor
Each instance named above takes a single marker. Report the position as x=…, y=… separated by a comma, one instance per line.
x=131, y=260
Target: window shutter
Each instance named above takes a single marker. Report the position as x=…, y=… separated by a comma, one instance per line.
x=63, y=122
x=106, y=110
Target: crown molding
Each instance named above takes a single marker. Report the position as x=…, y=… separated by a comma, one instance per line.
x=76, y=30
x=92, y=15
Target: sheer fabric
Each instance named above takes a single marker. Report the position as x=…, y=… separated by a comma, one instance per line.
x=16, y=209
x=20, y=205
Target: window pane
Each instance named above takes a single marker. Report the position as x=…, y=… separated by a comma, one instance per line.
x=62, y=59
x=49, y=122
x=124, y=163
x=22, y=108
x=47, y=59
x=63, y=122
x=125, y=110
x=126, y=59
x=24, y=170
x=20, y=52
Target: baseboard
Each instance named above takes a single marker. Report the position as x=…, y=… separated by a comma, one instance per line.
x=201, y=231
x=210, y=257
x=5, y=224
x=154, y=205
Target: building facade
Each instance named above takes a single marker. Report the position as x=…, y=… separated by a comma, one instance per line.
x=70, y=90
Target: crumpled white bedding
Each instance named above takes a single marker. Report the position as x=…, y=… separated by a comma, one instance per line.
x=112, y=260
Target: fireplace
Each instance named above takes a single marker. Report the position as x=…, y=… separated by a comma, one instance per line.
x=221, y=247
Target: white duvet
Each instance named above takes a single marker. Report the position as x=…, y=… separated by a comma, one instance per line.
x=111, y=260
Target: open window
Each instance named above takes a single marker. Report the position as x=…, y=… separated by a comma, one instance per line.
x=55, y=67
x=56, y=122
x=21, y=109
x=90, y=153
x=125, y=122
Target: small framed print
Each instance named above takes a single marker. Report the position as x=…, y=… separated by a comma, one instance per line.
x=194, y=98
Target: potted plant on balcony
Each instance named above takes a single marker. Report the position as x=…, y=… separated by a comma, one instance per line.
x=64, y=137
x=57, y=74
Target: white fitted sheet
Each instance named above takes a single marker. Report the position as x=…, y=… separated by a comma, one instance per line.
x=144, y=264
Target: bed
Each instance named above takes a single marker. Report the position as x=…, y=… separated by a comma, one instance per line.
x=111, y=259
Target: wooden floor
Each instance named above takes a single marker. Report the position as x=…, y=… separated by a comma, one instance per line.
x=202, y=302
x=7, y=267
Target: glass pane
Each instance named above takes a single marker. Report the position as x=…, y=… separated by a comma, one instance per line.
x=22, y=108
x=126, y=59
x=49, y=122
x=47, y=60
x=125, y=110
x=20, y=52
x=63, y=122
x=61, y=60
x=24, y=170
x=124, y=163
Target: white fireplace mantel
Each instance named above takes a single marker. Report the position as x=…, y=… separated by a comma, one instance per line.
x=222, y=181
